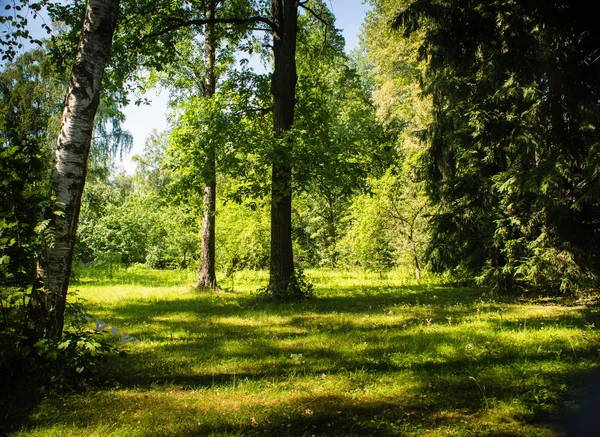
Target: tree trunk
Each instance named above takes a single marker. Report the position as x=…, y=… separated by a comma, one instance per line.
x=413, y=247
x=207, y=278
x=332, y=243
x=283, y=89
x=47, y=306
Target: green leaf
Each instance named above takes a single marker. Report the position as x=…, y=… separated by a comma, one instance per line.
x=64, y=344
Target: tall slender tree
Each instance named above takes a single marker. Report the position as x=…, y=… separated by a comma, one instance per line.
x=48, y=302
x=282, y=22
x=193, y=78
x=283, y=89
x=207, y=278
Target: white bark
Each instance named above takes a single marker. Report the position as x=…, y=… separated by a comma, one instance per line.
x=68, y=178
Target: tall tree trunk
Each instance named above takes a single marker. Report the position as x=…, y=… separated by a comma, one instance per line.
x=47, y=306
x=283, y=89
x=207, y=278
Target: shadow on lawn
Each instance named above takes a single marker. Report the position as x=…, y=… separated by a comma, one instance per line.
x=442, y=380
x=265, y=340
x=450, y=390
x=435, y=403
x=18, y=399
x=369, y=302
x=585, y=421
x=302, y=416
x=206, y=335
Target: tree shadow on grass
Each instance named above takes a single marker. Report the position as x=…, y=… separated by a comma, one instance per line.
x=584, y=419
x=298, y=416
x=440, y=301
x=436, y=403
x=243, y=305
x=471, y=384
x=206, y=335
x=18, y=399
x=264, y=340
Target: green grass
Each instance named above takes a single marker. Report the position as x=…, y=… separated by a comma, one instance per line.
x=370, y=355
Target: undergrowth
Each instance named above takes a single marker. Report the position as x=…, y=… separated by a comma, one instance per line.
x=49, y=363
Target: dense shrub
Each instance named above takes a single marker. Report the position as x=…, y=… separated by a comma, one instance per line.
x=62, y=362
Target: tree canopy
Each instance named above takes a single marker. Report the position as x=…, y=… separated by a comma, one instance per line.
x=461, y=137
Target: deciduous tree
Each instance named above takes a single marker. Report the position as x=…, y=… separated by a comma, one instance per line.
x=47, y=305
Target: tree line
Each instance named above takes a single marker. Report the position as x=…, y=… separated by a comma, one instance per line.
x=461, y=138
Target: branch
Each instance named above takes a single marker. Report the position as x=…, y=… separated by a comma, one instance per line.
x=414, y=219
x=398, y=216
x=261, y=29
x=589, y=57
x=178, y=24
x=250, y=110
x=314, y=14
x=261, y=111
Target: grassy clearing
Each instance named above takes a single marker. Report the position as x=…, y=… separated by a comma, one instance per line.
x=371, y=355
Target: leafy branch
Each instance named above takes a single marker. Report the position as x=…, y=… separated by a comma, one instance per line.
x=180, y=24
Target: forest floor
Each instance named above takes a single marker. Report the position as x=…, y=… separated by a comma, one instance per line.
x=370, y=355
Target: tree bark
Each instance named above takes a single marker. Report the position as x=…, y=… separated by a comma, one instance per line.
x=332, y=243
x=283, y=90
x=47, y=305
x=207, y=278
x=413, y=247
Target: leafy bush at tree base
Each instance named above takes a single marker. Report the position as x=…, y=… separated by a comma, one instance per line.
x=60, y=363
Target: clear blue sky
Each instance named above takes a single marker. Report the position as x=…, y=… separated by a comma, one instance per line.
x=141, y=120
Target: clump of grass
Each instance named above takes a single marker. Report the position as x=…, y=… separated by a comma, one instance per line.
x=371, y=354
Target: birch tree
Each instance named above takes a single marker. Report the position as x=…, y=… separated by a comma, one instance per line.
x=47, y=305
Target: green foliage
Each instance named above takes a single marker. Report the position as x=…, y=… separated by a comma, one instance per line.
x=318, y=225
x=512, y=157
x=392, y=68
x=58, y=363
x=232, y=127
x=337, y=139
x=14, y=21
x=136, y=217
x=242, y=236
x=366, y=242
x=142, y=228
x=71, y=360
x=28, y=100
x=299, y=288
x=12, y=304
x=389, y=226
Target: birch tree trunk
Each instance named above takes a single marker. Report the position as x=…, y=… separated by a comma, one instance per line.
x=206, y=272
x=283, y=89
x=47, y=306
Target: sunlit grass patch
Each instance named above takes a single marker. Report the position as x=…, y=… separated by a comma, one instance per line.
x=370, y=355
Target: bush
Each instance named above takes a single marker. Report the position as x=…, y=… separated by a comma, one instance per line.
x=63, y=362
x=299, y=288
